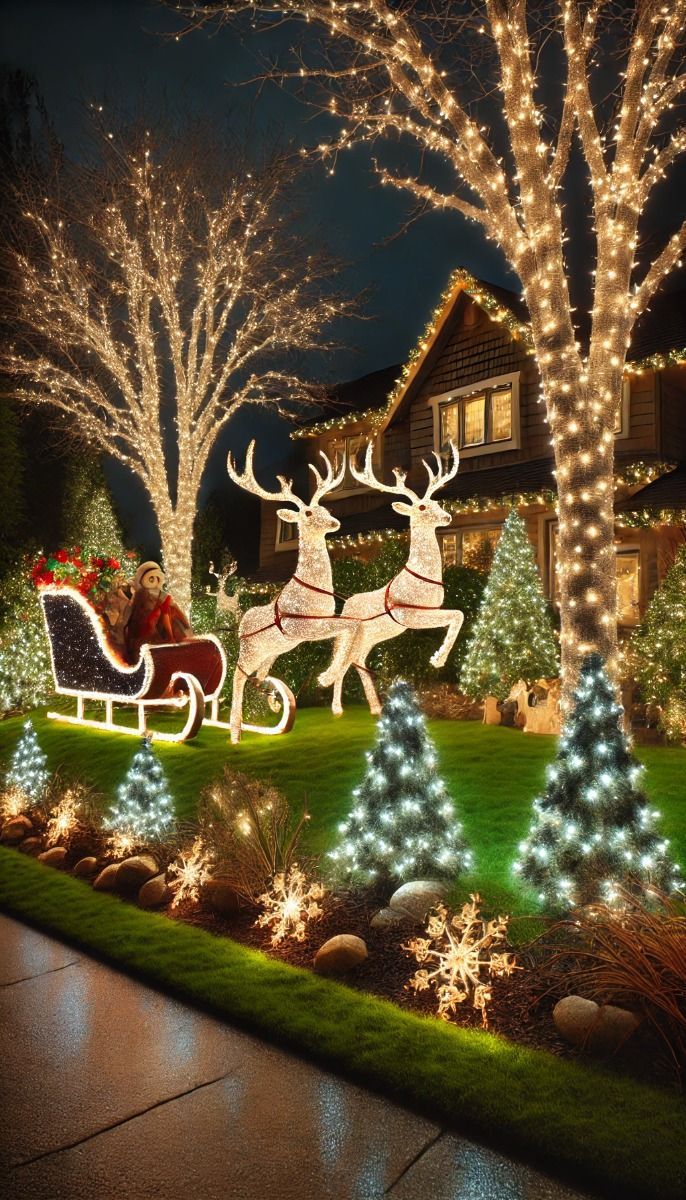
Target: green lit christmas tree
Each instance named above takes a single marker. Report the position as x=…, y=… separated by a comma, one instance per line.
x=512, y=637
x=594, y=829
x=143, y=810
x=658, y=649
x=25, y=670
x=403, y=824
x=27, y=773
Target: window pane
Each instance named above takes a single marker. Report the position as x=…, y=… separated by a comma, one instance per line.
x=628, y=588
x=287, y=532
x=450, y=424
x=478, y=548
x=474, y=421
x=449, y=549
x=336, y=452
x=501, y=415
x=356, y=451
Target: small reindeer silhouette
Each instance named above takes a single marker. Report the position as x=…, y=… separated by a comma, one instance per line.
x=227, y=606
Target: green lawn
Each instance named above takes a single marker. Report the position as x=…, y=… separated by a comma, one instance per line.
x=492, y=773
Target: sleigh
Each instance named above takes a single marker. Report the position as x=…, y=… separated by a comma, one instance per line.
x=183, y=677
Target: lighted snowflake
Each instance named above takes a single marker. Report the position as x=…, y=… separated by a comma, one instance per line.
x=290, y=904
x=189, y=872
x=63, y=818
x=463, y=956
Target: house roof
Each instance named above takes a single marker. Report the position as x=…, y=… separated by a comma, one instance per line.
x=666, y=494
x=659, y=340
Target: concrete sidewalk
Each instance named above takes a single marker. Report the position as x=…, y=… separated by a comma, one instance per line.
x=112, y=1091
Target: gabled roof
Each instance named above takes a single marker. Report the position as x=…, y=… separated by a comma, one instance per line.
x=659, y=340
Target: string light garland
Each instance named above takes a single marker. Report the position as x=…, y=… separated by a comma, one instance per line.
x=153, y=272
x=391, y=69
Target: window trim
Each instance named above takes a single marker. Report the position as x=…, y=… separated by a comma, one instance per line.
x=476, y=389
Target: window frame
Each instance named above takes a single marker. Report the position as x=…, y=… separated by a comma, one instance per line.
x=458, y=534
x=353, y=488
x=483, y=387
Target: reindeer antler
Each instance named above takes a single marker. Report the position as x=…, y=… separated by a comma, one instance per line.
x=439, y=477
x=246, y=479
x=328, y=482
x=367, y=476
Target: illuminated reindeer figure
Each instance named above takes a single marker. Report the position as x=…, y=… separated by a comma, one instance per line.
x=305, y=606
x=412, y=600
x=227, y=606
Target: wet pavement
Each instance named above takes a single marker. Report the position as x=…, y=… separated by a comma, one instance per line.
x=112, y=1091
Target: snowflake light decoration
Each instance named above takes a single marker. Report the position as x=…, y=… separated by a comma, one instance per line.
x=289, y=905
x=63, y=817
x=189, y=872
x=461, y=955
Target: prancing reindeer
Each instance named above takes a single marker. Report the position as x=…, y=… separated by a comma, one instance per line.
x=304, y=610
x=227, y=606
x=412, y=600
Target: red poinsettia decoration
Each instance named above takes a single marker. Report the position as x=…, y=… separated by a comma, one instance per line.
x=65, y=568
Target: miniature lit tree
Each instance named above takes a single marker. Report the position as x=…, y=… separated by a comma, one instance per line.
x=512, y=637
x=658, y=649
x=144, y=270
x=593, y=831
x=144, y=809
x=403, y=824
x=27, y=772
x=495, y=91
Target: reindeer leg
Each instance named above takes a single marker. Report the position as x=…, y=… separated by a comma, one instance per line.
x=434, y=619
x=340, y=660
x=367, y=679
x=239, y=681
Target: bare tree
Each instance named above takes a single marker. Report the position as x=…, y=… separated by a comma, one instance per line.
x=538, y=74
x=148, y=313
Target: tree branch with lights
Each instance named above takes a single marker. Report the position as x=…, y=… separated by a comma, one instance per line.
x=407, y=71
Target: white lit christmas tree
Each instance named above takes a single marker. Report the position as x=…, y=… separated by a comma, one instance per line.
x=512, y=637
x=143, y=810
x=658, y=649
x=403, y=824
x=594, y=829
x=27, y=773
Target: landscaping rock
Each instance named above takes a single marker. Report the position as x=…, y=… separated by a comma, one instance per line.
x=134, y=872
x=107, y=879
x=221, y=897
x=31, y=845
x=86, y=867
x=389, y=919
x=16, y=829
x=54, y=857
x=340, y=954
x=599, y=1028
x=414, y=899
x=154, y=893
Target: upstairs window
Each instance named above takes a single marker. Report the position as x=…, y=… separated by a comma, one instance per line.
x=484, y=416
x=349, y=450
x=286, y=531
x=470, y=547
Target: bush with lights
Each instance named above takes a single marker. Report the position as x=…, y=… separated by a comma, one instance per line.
x=512, y=637
x=27, y=773
x=403, y=824
x=25, y=671
x=144, y=810
x=594, y=831
x=658, y=649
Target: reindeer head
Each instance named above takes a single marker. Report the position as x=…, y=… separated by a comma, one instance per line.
x=422, y=510
x=311, y=516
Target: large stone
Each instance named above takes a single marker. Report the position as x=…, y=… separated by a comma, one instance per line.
x=154, y=893
x=86, y=867
x=600, y=1028
x=220, y=897
x=107, y=879
x=31, y=845
x=340, y=954
x=16, y=829
x=414, y=899
x=134, y=872
x=389, y=919
x=54, y=857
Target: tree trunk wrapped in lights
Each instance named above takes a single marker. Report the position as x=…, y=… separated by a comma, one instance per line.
x=512, y=637
x=147, y=314
x=403, y=824
x=593, y=831
x=398, y=69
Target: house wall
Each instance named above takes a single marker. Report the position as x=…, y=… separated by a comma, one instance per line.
x=672, y=393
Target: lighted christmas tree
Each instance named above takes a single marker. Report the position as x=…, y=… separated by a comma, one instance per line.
x=143, y=810
x=25, y=671
x=594, y=828
x=658, y=649
x=403, y=824
x=512, y=637
x=88, y=518
x=27, y=773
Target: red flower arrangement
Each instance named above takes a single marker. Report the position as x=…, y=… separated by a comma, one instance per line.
x=65, y=568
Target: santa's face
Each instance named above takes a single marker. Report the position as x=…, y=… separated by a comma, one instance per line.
x=153, y=581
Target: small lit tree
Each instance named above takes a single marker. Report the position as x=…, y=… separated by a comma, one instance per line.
x=658, y=649
x=144, y=809
x=88, y=518
x=27, y=772
x=403, y=824
x=512, y=637
x=25, y=670
x=593, y=831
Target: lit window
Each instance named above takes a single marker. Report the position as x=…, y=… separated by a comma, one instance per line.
x=449, y=549
x=478, y=420
x=478, y=548
x=628, y=587
x=286, y=531
x=501, y=415
x=348, y=449
x=474, y=430
x=450, y=424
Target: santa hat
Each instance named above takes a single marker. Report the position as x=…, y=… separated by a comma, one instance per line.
x=143, y=570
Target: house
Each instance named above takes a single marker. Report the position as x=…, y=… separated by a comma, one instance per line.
x=473, y=378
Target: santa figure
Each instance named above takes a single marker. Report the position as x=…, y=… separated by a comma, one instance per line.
x=155, y=618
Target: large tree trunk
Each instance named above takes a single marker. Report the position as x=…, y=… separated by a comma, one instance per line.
x=176, y=542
